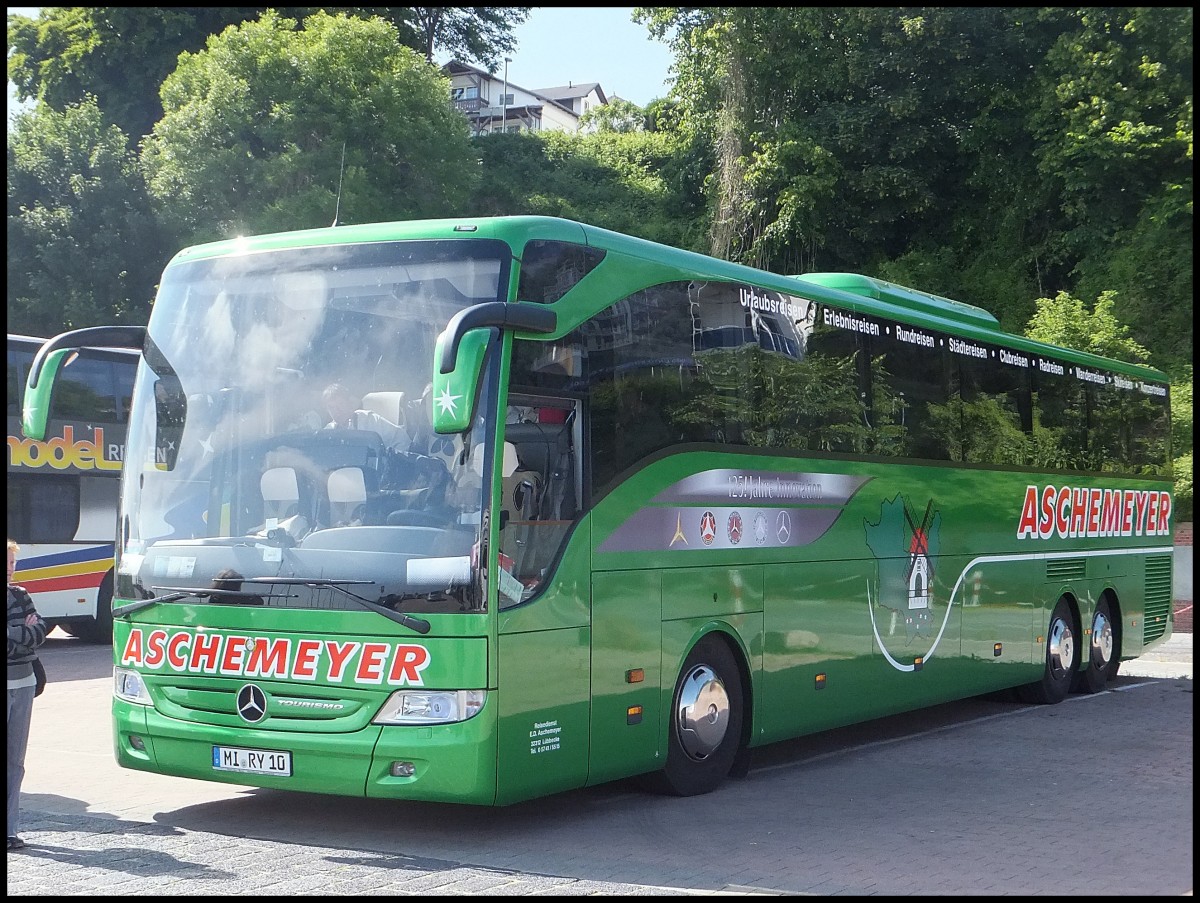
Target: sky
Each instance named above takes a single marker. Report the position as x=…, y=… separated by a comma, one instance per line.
x=561, y=44
x=558, y=45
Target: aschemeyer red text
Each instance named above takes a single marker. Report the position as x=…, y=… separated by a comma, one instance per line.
x=1068, y=512
x=234, y=655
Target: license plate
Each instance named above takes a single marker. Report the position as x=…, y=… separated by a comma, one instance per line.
x=252, y=761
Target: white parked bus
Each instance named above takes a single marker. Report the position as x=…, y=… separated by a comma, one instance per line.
x=62, y=491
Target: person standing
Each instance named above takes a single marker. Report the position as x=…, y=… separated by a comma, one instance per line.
x=26, y=631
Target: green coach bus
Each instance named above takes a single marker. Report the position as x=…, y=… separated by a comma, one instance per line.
x=603, y=508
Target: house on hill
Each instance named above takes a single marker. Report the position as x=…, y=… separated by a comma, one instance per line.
x=491, y=105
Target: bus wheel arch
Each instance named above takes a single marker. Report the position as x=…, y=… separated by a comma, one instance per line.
x=1104, y=646
x=707, y=719
x=99, y=628
x=1061, y=659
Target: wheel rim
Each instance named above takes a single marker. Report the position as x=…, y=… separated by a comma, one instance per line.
x=702, y=713
x=1102, y=640
x=1062, y=647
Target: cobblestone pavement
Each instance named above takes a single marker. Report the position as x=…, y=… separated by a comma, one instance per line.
x=978, y=802
x=95, y=856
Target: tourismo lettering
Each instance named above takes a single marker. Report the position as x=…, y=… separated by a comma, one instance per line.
x=65, y=452
x=233, y=655
x=1068, y=512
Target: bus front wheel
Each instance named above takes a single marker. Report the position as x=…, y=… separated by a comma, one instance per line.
x=1062, y=660
x=706, y=721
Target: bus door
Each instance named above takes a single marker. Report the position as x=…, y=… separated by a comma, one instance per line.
x=543, y=669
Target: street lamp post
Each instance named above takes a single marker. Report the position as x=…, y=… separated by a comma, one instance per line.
x=504, y=98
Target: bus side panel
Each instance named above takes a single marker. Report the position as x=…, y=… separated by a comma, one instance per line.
x=544, y=712
x=626, y=638
x=1003, y=610
x=817, y=623
x=64, y=579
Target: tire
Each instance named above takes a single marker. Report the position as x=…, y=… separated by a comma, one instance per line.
x=99, y=628
x=1102, y=653
x=706, y=714
x=1062, y=660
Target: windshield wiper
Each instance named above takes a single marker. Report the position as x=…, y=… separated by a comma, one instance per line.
x=420, y=625
x=122, y=610
x=183, y=592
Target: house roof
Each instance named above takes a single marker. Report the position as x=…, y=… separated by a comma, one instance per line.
x=571, y=91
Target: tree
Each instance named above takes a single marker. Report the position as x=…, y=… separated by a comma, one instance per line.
x=483, y=33
x=255, y=128
x=618, y=115
x=84, y=248
x=1066, y=321
x=122, y=54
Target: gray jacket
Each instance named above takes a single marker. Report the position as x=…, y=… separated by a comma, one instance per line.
x=23, y=639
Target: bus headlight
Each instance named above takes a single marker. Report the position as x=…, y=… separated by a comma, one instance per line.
x=430, y=706
x=128, y=686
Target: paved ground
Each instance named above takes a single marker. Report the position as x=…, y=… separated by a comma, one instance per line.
x=978, y=811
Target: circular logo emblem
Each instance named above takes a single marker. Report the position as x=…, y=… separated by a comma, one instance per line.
x=783, y=527
x=252, y=703
x=734, y=528
x=708, y=528
x=760, y=528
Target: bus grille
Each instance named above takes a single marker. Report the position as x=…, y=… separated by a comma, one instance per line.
x=1158, y=597
x=1059, y=570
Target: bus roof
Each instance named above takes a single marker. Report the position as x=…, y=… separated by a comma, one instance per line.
x=861, y=294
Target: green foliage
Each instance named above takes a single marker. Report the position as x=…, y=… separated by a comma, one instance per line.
x=121, y=54
x=1150, y=267
x=1182, y=413
x=996, y=155
x=84, y=248
x=482, y=33
x=1067, y=321
x=618, y=115
x=254, y=129
x=627, y=182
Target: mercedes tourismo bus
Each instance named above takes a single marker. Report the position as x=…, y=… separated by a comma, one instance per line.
x=62, y=489
x=651, y=510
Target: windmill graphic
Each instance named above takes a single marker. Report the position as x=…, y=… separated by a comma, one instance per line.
x=919, y=574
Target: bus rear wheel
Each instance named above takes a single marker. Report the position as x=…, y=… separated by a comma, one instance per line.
x=1102, y=653
x=705, y=721
x=1062, y=660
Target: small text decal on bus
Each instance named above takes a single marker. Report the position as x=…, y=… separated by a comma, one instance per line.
x=231, y=655
x=1065, y=512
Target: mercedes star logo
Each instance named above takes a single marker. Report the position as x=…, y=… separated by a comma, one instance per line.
x=252, y=703
x=784, y=527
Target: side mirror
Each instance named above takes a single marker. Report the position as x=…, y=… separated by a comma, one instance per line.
x=39, y=385
x=458, y=355
x=454, y=392
x=35, y=411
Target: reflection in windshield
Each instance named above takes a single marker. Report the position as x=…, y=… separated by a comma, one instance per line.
x=281, y=429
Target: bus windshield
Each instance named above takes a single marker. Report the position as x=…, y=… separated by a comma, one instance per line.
x=285, y=431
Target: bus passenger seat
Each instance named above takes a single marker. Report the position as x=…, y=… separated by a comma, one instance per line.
x=347, y=488
x=280, y=492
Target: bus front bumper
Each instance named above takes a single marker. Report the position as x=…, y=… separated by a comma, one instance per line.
x=443, y=763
